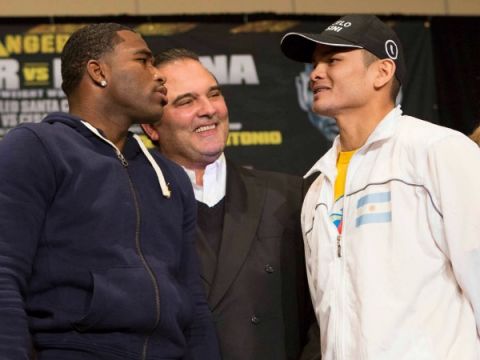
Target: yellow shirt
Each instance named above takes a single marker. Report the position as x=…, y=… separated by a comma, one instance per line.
x=339, y=189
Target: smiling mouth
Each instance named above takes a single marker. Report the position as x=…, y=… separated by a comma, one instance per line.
x=319, y=89
x=205, y=128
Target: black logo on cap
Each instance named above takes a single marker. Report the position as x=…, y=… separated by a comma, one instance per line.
x=391, y=49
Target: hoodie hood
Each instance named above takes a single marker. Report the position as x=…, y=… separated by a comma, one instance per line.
x=70, y=120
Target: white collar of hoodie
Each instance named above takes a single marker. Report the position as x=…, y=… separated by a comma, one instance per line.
x=161, y=179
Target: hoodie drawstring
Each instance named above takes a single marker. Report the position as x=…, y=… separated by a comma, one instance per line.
x=161, y=179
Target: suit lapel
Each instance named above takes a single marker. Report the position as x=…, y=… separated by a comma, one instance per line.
x=244, y=202
x=208, y=260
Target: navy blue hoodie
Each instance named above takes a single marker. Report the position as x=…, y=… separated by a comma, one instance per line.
x=95, y=263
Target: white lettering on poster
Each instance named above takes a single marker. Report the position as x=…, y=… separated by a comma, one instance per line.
x=9, y=78
x=57, y=73
x=234, y=70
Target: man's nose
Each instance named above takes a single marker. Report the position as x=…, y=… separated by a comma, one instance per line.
x=318, y=71
x=207, y=108
x=157, y=76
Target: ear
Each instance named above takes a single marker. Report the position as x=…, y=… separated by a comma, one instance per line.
x=385, y=72
x=150, y=131
x=95, y=71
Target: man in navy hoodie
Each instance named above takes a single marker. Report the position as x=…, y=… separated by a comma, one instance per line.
x=96, y=236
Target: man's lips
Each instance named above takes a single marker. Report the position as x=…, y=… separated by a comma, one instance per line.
x=319, y=88
x=162, y=90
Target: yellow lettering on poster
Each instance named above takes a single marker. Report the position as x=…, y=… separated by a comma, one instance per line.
x=47, y=44
x=35, y=74
x=254, y=138
x=16, y=44
x=31, y=44
x=13, y=44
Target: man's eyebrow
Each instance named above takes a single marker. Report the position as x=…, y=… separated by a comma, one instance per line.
x=215, y=87
x=194, y=95
x=143, y=52
x=183, y=96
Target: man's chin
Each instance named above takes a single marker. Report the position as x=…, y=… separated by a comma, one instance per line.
x=212, y=155
x=322, y=111
x=150, y=119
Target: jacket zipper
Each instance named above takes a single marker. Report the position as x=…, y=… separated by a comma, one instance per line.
x=340, y=300
x=339, y=245
x=341, y=253
x=138, y=247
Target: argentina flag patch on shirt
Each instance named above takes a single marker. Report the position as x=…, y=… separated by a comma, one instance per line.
x=374, y=208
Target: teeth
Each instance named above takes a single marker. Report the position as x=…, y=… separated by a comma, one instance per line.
x=205, y=128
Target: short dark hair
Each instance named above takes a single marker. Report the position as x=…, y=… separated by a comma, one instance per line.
x=369, y=58
x=89, y=42
x=173, y=54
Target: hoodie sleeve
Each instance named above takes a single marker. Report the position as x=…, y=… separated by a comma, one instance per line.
x=26, y=186
x=201, y=337
x=454, y=172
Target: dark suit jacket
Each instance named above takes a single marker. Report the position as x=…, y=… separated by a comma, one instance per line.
x=257, y=288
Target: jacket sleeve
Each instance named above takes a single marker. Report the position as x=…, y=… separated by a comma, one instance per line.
x=311, y=351
x=201, y=336
x=26, y=184
x=454, y=172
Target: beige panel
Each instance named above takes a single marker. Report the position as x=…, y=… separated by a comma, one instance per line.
x=158, y=7
x=161, y=7
x=432, y=7
x=66, y=7
x=463, y=7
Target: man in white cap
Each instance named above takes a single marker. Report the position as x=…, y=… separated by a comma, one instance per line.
x=390, y=227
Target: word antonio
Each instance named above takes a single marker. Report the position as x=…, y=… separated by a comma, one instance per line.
x=254, y=138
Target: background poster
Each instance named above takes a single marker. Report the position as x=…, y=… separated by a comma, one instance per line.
x=272, y=127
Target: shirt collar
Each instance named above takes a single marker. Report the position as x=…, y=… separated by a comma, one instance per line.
x=382, y=131
x=214, y=182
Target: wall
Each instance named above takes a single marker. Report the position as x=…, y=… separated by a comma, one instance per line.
x=164, y=7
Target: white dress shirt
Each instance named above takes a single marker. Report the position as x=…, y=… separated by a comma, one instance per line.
x=214, y=182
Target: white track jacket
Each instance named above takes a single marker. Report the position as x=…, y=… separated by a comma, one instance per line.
x=403, y=281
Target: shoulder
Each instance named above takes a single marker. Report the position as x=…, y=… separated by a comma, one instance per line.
x=272, y=178
x=24, y=141
x=423, y=144
x=277, y=187
x=425, y=134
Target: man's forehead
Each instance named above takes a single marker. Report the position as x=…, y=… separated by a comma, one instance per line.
x=132, y=41
x=180, y=73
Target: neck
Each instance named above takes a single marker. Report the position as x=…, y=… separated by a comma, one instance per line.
x=197, y=165
x=199, y=176
x=113, y=130
x=356, y=127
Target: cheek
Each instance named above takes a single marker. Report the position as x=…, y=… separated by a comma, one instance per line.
x=175, y=120
x=222, y=113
